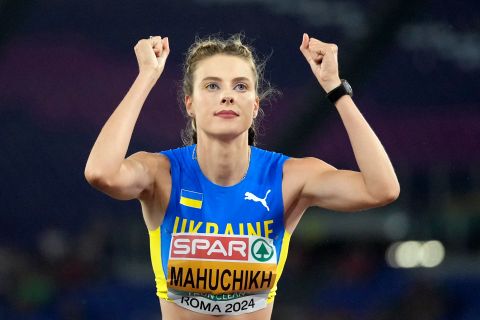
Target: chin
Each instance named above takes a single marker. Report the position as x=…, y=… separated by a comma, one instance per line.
x=229, y=134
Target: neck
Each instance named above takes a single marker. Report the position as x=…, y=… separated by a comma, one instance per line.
x=223, y=163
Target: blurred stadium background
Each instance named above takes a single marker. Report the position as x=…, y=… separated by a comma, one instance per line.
x=70, y=252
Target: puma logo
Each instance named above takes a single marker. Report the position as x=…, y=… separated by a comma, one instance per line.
x=251, y=196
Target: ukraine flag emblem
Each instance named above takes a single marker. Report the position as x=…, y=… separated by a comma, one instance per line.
x=191, y=199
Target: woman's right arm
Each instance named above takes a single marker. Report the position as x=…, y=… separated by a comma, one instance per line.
x=107, y=169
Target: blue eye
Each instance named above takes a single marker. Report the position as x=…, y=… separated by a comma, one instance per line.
x=212, y=86
x=241, y=86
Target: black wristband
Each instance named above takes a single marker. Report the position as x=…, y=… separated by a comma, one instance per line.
x=343, y=89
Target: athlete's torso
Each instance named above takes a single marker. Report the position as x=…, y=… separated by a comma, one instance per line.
x=257, y=214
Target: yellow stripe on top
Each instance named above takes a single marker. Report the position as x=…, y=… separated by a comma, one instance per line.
x=156, y=256
x=197, y=204
x=281, y=264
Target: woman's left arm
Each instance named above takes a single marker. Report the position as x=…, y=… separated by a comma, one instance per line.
x=376, y=184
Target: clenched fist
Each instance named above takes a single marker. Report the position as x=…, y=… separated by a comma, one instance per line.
x=322, y=58
x=152, y=54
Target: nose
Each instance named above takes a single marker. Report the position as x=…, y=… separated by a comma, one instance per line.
x=227, y=100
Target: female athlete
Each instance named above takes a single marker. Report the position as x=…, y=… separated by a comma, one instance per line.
x=220, y=211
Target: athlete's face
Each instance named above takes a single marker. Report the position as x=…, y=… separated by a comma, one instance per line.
x=224, y=100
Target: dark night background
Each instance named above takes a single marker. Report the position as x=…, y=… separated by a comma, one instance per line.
x=69, y=252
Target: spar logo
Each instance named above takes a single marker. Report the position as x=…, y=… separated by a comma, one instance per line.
x=262, y=250
x=209, y=247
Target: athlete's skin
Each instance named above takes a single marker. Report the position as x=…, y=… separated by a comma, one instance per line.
x=226, y=82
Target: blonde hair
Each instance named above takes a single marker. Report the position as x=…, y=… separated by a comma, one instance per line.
x=207, y=47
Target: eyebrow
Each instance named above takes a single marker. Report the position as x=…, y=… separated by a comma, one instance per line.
x=219, y=79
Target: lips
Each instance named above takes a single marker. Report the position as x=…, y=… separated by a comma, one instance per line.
x=226, y=112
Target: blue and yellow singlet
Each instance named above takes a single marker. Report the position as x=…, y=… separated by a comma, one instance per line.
x=221, y=250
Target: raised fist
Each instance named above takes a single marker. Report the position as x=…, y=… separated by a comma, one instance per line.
x=322, y=58
x=152, y=54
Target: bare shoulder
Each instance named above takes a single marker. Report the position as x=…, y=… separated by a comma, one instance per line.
x=163, y=175
x=304, y=164
x=153, y=160
x=297, y=171
x=136, y=177
x=157, y=164
x=154, y=203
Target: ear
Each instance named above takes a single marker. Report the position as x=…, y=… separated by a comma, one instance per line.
x=188, y=105
x=256, y=106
